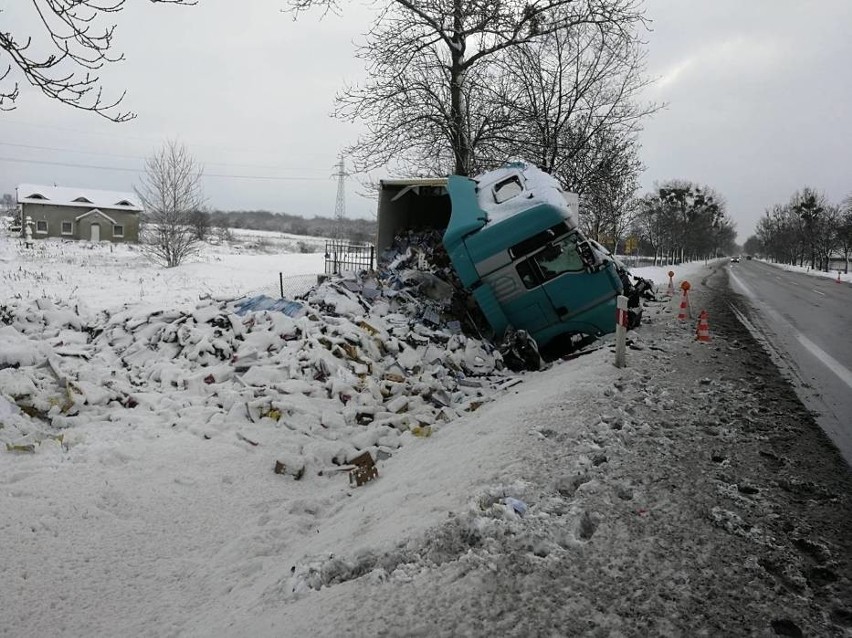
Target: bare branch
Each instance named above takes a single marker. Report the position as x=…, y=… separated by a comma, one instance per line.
x=78, y=45
x=442, y=93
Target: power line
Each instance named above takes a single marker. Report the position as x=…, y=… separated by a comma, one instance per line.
x=139, y=157
x=69, y=150
x=156, y=140
x=139, y=170
x=73, y=130
x=107, y=168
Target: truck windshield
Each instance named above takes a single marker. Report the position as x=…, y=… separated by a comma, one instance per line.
x=557, y=258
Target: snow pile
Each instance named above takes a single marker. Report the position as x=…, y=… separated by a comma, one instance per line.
x=321, y=380
x=493, y=515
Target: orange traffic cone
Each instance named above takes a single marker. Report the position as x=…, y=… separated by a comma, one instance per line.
x=684, y=307
x=703, y=327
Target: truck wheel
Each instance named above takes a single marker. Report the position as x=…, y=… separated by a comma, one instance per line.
x=520, y=351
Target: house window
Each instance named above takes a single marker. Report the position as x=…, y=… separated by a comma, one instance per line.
x=41, y=226
x=118, y=230
x=67, y=228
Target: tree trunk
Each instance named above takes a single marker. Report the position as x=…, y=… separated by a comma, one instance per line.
x=458, y=134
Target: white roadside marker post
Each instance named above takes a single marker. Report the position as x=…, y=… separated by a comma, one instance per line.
x=620, y=331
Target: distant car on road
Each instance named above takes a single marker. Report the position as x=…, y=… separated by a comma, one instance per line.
x=735, y=260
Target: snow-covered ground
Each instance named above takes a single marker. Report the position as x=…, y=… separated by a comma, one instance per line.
x=834, y=274
x=138, y=491
x=110, y=275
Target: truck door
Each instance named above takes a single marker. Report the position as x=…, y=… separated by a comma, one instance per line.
x=522, y=298
x=577, y=296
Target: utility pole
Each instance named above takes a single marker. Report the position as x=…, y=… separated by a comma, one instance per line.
x=340, y=205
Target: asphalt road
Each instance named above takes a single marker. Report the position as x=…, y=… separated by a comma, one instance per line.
x=806, y=322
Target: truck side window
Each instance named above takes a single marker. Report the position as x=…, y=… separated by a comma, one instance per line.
x=527, y=274
x=560, y=257
x=507, y=189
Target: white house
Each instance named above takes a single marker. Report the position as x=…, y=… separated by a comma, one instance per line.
x=79, y=213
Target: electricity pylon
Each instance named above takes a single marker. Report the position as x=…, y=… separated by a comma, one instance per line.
x=340, y=205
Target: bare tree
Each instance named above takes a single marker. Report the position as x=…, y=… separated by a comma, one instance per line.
x=76, y=46
x=684, y=221
x=171, y=195
x=609, y=196
x=7, y=202
x=826, y=239
x=844, y=231
x=426, y=101
x=753, y=246
x=808, y=229
x=779, y=234
x=201, y=226
x=810, y=210
x=573, y=99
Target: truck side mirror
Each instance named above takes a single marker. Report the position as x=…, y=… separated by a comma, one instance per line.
x=587, y=254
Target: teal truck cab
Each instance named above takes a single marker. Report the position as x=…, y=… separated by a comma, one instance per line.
x=513, y=240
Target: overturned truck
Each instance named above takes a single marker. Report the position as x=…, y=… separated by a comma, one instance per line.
x=512, y=237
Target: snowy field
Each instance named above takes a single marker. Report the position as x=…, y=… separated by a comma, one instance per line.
x=107, y=276
x=138, y=489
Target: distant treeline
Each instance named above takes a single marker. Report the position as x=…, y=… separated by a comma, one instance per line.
x=362, y=230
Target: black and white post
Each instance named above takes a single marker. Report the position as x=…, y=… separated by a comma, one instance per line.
x=620, y=331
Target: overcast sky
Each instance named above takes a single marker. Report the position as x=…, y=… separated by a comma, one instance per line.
x=757, y=94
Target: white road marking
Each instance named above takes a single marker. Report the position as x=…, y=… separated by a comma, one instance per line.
x=818, y=292
x=830, y=362
x=827, y=360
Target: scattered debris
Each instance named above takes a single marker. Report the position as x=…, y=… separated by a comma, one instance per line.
x=244, y=438
x=365, y=470
x=21, y=447
x=516, y=505
x=291, y=466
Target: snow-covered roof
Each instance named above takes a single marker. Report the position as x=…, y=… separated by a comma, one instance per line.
x=527, y=187
x=85, y=197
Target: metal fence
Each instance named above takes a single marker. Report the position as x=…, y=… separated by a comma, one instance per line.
x=287, y=286
x=340, y=257
x=837, y=264
x=291, y=286
x=634, y=261
x=344, y=256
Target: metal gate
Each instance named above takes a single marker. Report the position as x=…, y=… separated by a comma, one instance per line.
x=344, y=256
